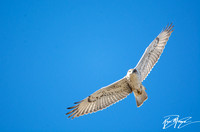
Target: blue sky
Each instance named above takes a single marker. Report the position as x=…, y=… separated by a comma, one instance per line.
x=54, y=53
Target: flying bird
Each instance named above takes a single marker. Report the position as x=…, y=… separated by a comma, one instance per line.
x=132, y=82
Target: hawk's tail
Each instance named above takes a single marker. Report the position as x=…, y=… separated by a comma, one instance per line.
x=140, y=97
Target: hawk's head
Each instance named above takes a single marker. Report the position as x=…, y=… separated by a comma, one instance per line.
x=131, y=71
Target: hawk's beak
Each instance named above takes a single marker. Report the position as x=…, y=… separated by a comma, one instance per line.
x=134, y=70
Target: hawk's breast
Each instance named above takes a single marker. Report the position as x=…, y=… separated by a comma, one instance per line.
x=133, y=81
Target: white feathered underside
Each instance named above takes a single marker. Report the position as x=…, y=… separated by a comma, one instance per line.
x=119, y=90
x=153, y=53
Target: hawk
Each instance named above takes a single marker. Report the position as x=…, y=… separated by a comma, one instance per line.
x=132, y=82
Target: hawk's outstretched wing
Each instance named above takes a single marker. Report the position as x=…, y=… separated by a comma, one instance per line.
x=153, y=52
x=101, y=99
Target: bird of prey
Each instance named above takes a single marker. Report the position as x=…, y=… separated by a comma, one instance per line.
x=132, y=82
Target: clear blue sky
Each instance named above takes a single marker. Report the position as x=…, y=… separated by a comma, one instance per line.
x=54, y=53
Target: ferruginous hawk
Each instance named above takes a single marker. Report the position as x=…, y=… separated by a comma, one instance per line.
x=132, y=82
